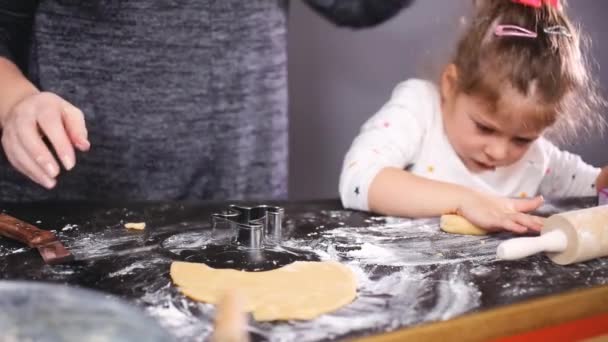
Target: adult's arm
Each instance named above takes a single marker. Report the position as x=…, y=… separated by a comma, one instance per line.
x=358, y=13
x=16, y=20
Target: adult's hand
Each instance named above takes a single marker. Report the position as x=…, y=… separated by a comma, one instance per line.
x=37, y=116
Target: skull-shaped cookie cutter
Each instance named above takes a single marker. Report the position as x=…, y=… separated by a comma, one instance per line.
x=253, y=225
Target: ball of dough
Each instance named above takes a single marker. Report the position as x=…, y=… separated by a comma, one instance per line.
x=457, y=224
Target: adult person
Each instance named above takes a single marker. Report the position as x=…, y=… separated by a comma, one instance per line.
x=172, y=99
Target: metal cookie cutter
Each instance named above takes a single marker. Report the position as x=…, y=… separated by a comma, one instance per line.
x=253, y=225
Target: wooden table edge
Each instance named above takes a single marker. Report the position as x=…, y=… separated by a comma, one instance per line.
x=507, y=320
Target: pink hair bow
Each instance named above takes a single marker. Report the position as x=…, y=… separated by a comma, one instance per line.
x=538, y=3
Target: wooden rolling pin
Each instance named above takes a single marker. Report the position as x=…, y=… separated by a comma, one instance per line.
x=567, y=238
x=230, y=319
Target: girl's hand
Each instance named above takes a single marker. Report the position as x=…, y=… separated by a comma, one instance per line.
x=25, y=125
x=602, y=179
x=500, y=213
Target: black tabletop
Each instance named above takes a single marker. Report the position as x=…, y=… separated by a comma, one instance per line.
x=409, y=272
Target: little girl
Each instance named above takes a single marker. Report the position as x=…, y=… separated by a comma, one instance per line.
x=474, y=144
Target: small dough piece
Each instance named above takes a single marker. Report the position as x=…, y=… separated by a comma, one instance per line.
x=135, y=225
x=301, y=290
x=457, y=224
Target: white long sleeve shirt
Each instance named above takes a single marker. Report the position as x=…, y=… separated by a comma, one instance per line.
x=407, y=133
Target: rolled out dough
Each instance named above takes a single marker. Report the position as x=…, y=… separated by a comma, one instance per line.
x=457, y=224
x=301, y=290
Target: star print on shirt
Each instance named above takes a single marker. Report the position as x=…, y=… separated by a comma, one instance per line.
x=357, y=190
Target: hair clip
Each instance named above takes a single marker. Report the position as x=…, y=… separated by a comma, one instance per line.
x=514, y=31
x=538, y=3
x=557, y=29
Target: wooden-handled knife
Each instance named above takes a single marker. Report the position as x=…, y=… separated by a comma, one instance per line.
x=50, y=248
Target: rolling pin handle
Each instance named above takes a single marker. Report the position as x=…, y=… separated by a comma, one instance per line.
x=518, y=248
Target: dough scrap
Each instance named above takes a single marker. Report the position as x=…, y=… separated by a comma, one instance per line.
x=457, y=224
x=301, y=290
x=135, y=225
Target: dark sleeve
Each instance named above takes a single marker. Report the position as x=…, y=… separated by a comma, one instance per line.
x=16, y=19
x=358, y=13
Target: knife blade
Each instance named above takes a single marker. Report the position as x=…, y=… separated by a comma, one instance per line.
x=47, y=243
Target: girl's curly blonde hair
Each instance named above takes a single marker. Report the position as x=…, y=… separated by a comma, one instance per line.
x=550, y=67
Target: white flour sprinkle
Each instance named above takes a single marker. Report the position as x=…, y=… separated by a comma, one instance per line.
x=408, y=271
x=142, y=264
x=68, y=227
x=385, y=301
x=398, y=295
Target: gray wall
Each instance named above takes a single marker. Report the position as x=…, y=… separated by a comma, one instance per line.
x=340, y=77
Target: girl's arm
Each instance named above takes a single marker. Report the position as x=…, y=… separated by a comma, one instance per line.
x=390, y=138
x=567, y=175
x=400, y=193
